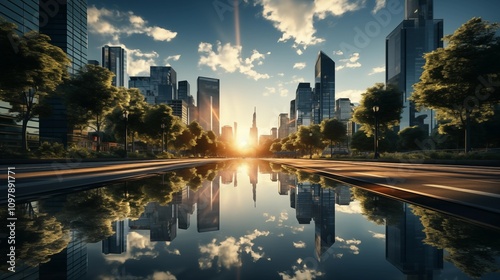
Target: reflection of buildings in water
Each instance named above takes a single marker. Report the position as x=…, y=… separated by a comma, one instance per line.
x=285, y=182
x=406, y=250
x=343, y=195
x=303, y=203
x=116, y=243
x=274, y=176
x=208, y=206
x=186, y=208
x=160, y=220
x=324, y=219
x=253, y=173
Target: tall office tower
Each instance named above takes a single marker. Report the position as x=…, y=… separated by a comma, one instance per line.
x=252, y=139
x=304, y=105
x=179, y=109
x=208, y=97
x=184, y=91
x=142, y=83
x=227, y=134
x=343, y=109
x=418, y=34
x=163, y=83
x=283, y=123
x=66, y=24
x=115, y=59
x=208, y=206
x=324, y=87
x=293, y=118
x=24, y=14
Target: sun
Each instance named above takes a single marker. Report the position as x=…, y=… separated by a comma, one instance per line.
x=242, y=144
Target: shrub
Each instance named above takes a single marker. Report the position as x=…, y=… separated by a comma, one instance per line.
x=50, y=150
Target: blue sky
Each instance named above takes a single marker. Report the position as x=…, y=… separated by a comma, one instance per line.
x=261, y=49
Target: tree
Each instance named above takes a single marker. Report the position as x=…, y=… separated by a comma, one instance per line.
x=90, y=96
x=154, y=118
x=32, y=68
x=388, y=100
x=333, y=130
x=460, y=81
x=310, y=138
x=411, y=138
x=361, y=142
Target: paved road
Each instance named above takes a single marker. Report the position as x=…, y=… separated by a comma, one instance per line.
x=441, y=187
x=33, y=180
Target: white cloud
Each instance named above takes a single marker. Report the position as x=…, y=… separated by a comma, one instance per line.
x=377, y=235
x=350, y=62
x=352, y=208
x=353, y=94
x=279, y=89
x=139, y=61
x=270, y=218
x=299, y=65
x=114, y=24
x=339, y=52
x=295, y=18
x=349, y=244
x=229, y=58
x=172, y=58
x=160, y=275
x=380, y=4
x=227, y=253
x=300, y=244
x=300, y=271
x=281, y=74
x=377, y=70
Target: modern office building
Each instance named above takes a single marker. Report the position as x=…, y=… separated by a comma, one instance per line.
x=23, y=13
x=283, y=125
x=304, y=105
x=179, y=109
x=184, y=91
x=208, y=96
x=293, y=118
x=142, y=83
x=67, y=28
x=254, y=131
x=227, y=134
x=163, y=83
x=343, y=109
x=115, y=59
x=324, y=88
x=418, y=34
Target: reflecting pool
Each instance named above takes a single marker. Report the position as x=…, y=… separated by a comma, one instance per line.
x=244, y=219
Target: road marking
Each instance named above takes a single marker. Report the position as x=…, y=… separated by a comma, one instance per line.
x=482, y=181
x=464, y=190
x=336, y=169
x=372, y=175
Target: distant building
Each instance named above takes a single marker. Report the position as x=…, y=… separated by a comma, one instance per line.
x=208, y=97
x=343, y=109
x=93, y=62
x=253, y=140
x=163, y=83
x=304, y=105
x=115, y=60
x=283, y=126
x=419, y=33
x=184, y=91
x=179, y=109
x=324, y=88
x=227, y=134
x=142, y=83
x=293, y=118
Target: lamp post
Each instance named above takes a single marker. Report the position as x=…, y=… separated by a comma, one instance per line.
x=163, y=137
x=375, y=138
x=310, y=145
x=125, y=117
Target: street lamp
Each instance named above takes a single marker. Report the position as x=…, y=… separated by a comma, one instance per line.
x=375, y=139
x=163, y=137
x=310, y=145
x=125, y=117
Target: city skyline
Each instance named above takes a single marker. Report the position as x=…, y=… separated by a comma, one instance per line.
x=262, y=69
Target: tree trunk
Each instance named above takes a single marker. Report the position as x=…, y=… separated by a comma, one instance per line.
x=467, y=132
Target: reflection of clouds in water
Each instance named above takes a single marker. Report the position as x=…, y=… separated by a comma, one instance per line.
x=270, y=218
x=377, y=235
x=353, y=208
x=157, y=275
x=229, y=250
x=349, y=244
x=283, y=216
x=300, y=244
x=300, y=271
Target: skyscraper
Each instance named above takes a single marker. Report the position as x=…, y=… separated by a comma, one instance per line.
x=23, y=13
x=142, y=83
x=324, y=88
x=115, y=59
x=283, y=123
x=67, y=27
x=253, y=136
x=303, y=104
x=184, y=90
x=418, y=34
x=163, y=83
x=208, y=96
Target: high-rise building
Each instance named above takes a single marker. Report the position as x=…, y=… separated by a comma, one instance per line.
x=142, y=83
x=324, y=87
x=184, y=90
x=179, y=109
x=227, y=134
x=418, y=34
x=283, y=125
x=343, y=109
x=163, y=83
x=208, y=97
x=66, y=24
x=303, y=105
x=24, y=14
x=254, y=132
x=293, y=118
x=115, y=59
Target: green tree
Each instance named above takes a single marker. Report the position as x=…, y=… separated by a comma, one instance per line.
x=154, y=118
x=32, y=68
x=411, y=138
x=333, y=130
x=309, y=137
x=460, y=81
x=361, y=142
x=90, y=96
x=388, y=100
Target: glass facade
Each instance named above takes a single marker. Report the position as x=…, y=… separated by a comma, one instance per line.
x=324, y=89
x=115, y=59
x=163, y=83
x=142, y=83
x=303, y=104
x=184, y=91
x=208, y=97
x=23, y=13
x=405, y=47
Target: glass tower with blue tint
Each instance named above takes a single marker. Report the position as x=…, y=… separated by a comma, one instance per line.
x=115, y=59
x=324, y=89
x=208, y=97
x=418, y=34
x=66, y=24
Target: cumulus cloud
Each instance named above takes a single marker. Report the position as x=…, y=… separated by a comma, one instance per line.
x=229, y=58
x=227, y=253
x=295, y=18
x=379, y=4
x=114, y=24
x=270, y=218
x=350, y=244
x=279, y=89
x=376, y=70
x=300, y=244
x=353, y=94
x=377, y=235
x=352, y=208
x=172, y=58
x=300, y=271
x=350, y=62
x=299, y=65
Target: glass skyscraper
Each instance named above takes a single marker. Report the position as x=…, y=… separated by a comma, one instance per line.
x=418, y=34
x=324, y=88
x=163, y=82
x=208, y=97
x=23, y=13
x=115, y=59
x=304, y=104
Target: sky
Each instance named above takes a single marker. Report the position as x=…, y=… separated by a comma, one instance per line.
x=261, y=49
